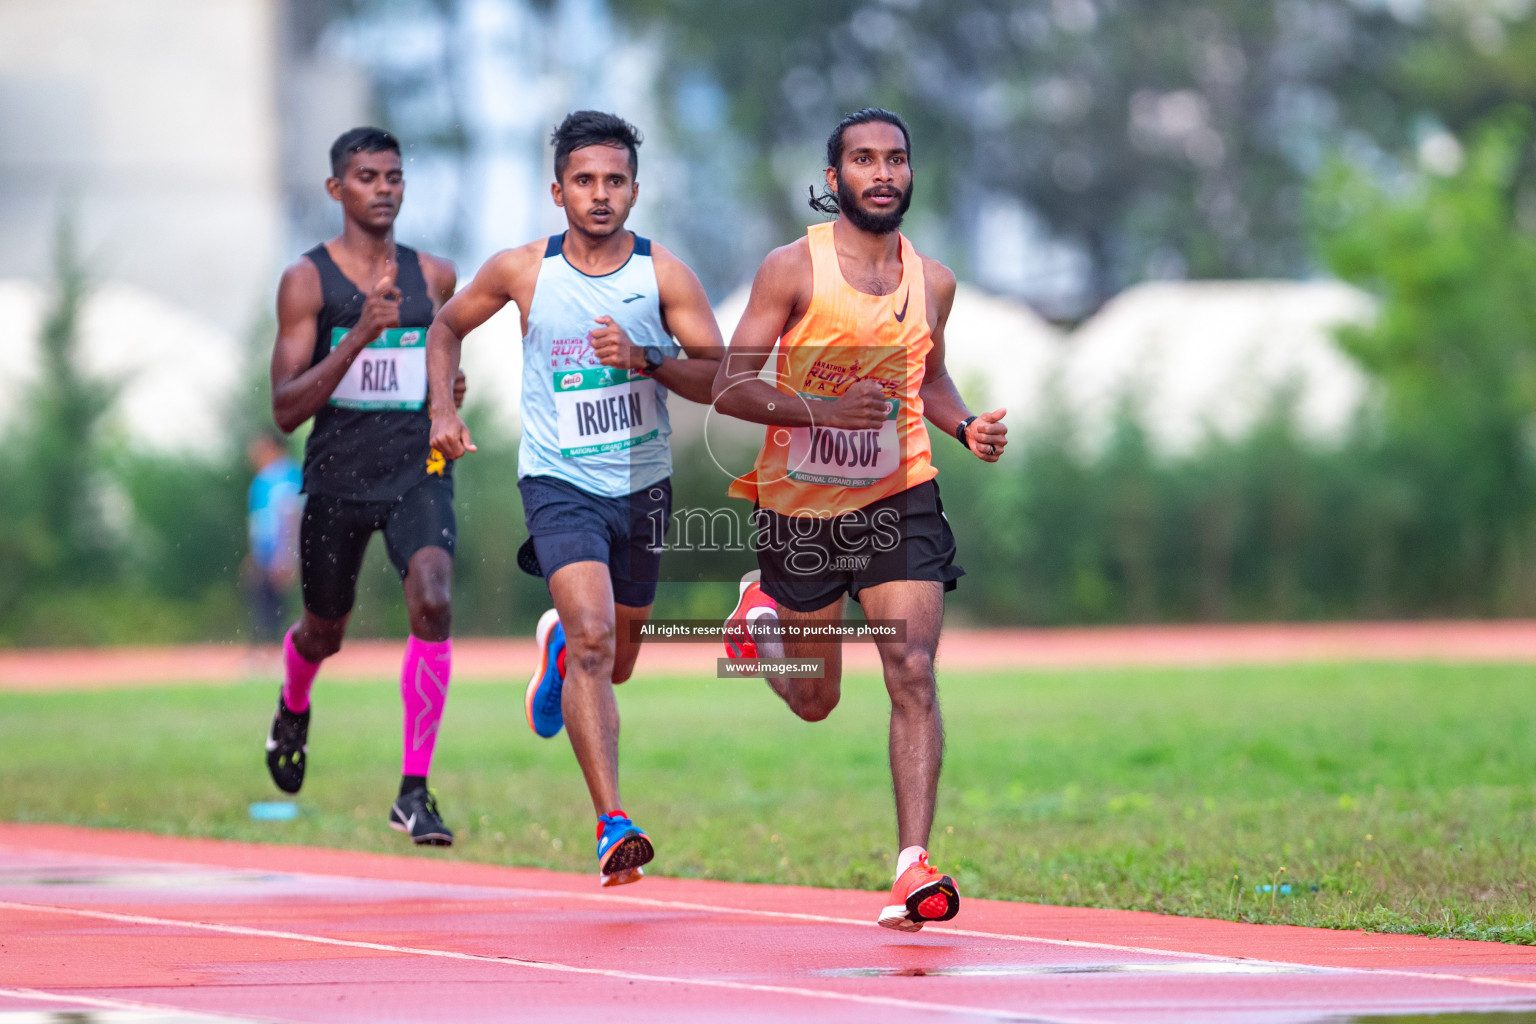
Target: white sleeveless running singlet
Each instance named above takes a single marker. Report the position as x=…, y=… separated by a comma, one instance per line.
x=596, y=427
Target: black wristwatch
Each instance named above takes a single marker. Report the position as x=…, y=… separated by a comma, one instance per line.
x=960, y=432
x=653, y=357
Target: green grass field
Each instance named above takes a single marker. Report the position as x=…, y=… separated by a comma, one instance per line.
x=1397, y=798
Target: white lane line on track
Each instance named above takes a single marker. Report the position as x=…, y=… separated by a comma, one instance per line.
x=521, y=893
x=516, y=893
x=936, y=929
x=1076, y=943
x=104, y=1003
x=525, y=892
x=544, y=965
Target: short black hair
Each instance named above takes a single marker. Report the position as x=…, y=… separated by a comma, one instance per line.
x=584, y=128
x=359, y=140
x=865, y=116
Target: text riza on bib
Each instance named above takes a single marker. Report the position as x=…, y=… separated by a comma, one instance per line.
x=391, y=373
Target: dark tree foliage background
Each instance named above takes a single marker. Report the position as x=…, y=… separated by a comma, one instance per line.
x=1161, y=137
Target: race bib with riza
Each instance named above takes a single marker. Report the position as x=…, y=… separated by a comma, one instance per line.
x=603, y=409
x=391, y=373
x=846, y=458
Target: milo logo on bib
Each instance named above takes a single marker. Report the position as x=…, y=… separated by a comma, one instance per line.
x=603, y=409
x=391, y=373
x=845, y=458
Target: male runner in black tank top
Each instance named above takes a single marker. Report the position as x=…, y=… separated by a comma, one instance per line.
x=352, y=318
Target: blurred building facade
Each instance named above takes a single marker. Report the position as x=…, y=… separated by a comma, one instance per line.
x=154, y=126
x=183, y=141
x=1197, y=360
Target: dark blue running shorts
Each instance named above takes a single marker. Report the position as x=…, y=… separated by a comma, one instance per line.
x=567, y=524
x=334, y=534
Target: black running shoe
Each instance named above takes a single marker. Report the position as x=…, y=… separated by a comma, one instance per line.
x=415, y=814
x=287, y=745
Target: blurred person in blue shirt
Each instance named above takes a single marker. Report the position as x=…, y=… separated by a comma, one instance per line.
x=273, y=509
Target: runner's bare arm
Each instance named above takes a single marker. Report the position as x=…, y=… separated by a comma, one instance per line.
x=442, y=279
x=942, y=405
x=300, y=390
x=781, y=294
x=506, y=277
x=686, y=316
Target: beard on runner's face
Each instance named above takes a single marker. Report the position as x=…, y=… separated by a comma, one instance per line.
x=864, y=220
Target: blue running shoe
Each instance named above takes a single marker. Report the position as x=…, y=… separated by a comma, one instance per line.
x=542, y=702
x=621, y=849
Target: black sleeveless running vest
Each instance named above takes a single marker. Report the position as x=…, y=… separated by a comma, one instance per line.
x=368, y=455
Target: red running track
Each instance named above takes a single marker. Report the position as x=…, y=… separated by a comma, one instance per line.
x=1275, y=643
x=201, y=930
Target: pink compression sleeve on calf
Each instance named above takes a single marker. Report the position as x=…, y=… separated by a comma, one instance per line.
x=298, y=676
x=424, y=691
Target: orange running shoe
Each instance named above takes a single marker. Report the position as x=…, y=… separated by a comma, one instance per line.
x=754, y=605
x=920, y=895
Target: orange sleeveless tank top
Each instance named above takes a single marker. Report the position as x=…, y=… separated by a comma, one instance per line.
x=847, y=336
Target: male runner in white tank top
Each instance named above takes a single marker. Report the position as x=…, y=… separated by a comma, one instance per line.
x=600, y=309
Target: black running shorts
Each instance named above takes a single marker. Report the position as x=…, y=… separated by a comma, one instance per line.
x=334, y=534
x=567, y=524
x=808, y=562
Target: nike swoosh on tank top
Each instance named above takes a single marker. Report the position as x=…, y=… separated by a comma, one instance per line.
x=847, y=335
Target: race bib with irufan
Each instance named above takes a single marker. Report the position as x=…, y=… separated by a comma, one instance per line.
x=603, y=409
x=391, y=373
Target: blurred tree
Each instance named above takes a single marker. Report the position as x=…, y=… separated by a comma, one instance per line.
x=1130, y=491
x=1160, y=138
x=421, y=91
x=1474, y=58
x=1156, y=138
x=54, y=535
x=1455, y=342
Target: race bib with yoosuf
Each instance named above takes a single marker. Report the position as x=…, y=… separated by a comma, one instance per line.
x=391, y=373
x=846, y=458
x=603, y=409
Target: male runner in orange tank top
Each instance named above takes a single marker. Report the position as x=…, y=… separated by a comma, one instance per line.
x=844, y=485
